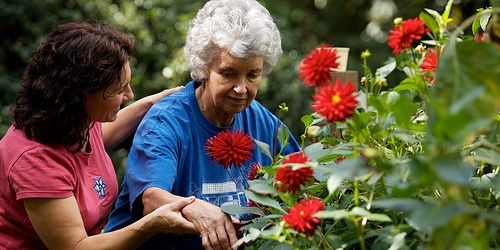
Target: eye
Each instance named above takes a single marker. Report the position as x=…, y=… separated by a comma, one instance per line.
x=122, y=89
x=254, y=75
x=228, y=73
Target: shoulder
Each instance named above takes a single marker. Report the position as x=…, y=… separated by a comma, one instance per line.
x=15, y=144
x=259, y=112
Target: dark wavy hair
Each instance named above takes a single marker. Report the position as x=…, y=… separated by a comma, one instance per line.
x=75, y=60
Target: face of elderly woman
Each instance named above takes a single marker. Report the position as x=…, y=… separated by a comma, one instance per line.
x=232, y=84
x=104, y=105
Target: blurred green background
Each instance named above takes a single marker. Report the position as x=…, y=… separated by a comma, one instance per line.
x=159, y=27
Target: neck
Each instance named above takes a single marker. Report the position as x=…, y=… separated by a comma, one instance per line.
x=218, y=118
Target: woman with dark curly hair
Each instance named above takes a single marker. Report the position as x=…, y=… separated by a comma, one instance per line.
x=57, y=183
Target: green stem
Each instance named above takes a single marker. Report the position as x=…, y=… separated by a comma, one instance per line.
x=232, y=178
x=356, y=193
x=323, y=239
x=361, y=236
x=244, y=178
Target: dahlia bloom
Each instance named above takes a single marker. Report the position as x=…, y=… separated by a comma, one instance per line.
x=318, y=64
x=405, y=33
x=230, y=148
x=335, y=102
x=429, y=65
x=289, y=179
x=301, y=216
x=254, y=171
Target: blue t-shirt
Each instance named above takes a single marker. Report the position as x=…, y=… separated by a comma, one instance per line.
x=168, y=152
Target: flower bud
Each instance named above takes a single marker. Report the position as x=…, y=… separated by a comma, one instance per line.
x=283, y=108
x=364, y=80
x=369, y=153
x=365, y=54
x=398, y=21
x=420, y=48
x=312, y=131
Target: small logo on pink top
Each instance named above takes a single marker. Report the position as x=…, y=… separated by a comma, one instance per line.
x=99, y=186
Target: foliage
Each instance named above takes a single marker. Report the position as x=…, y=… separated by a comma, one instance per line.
x=160, y=25
x=415, y=167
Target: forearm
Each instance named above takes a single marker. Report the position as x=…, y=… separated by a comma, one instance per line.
x=129, y=237
x=126, y=122
x=154, y=197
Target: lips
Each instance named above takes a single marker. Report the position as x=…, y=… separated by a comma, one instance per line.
x=238, y=100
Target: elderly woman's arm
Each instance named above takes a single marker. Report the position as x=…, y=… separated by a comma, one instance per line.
x=129, y=117
x=215, y=227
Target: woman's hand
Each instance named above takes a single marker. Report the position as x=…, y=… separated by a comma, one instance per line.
x=152, y=99
x=168, y=218
x=215, y=227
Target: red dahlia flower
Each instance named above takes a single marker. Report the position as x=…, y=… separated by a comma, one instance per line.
x=317, y=65
x=289, y=179
x=405, y=33
x=429, y=65
x=230, y=148
x=254, y=171
x=301, y=218
x=336, y=103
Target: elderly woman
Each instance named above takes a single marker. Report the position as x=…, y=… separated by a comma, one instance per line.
x=230, y=45
x=57, y=183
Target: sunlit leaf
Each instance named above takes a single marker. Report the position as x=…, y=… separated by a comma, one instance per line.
x=264, y=200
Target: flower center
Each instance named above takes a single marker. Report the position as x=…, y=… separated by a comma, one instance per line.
x=336, y=98
x=301, y=213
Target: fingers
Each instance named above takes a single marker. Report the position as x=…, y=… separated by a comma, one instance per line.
x=171, y=90
x=231, y=232
x=234, y=220
x=181, y=203
x=223, y=236
x=215, y=227
x=185, y=227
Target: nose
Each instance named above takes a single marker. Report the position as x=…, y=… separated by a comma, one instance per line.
x=240, y=87
x=128, y=94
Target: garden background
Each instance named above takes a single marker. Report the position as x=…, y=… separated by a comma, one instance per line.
x=412, y=164
x=159, y=27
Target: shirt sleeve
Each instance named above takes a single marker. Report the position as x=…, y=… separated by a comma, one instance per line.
x=42, y=173
x=153, y=158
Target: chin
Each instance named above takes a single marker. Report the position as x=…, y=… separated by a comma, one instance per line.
x=109, y=119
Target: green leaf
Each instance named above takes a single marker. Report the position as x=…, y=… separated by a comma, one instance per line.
x=405, y=205
x=333, y=183
x=430, y=22
x=437, y=17
x=481, y=20
x=452, y=169
x=484, y=17
x=446, y=13
x=237, y=209
x=335, y=214
x=359, y=211
x=264, y=148
x=262, y=187
x=487, y=155
x=283, y=135
x=403, y=110
x=315, y=151
x=386, y=69
x=429, y=217
x=422, y=216
x=307, y=120
x=467, y=99
x=264, y=200
x=351, y=169
x=465, y=96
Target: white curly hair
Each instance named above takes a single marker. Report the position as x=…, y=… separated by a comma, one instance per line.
x=242, y=27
